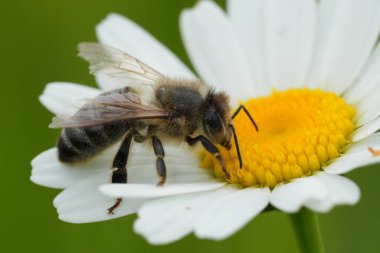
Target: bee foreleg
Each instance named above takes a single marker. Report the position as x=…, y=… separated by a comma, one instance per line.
x=119, y=166
x=211, y=148
x=160, y=163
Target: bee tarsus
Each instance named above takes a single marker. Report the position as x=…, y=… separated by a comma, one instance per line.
x=116, y=205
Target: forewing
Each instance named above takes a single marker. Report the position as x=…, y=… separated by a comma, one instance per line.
x=109, y=107
x=117, y=64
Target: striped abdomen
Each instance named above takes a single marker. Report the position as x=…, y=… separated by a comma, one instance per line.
x=79, y=144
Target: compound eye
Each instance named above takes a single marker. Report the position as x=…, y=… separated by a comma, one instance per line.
x=213, y=124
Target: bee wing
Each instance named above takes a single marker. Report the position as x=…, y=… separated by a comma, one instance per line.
x=117, y=64
x=107, y=108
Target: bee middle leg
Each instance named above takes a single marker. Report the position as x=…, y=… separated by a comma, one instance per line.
x=119, y=166
x=160, y=163
x=211, y=148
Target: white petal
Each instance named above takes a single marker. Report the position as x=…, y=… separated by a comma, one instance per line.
x=370, y=142
x=120, y=32
x=292, y=196
x=364, y=94
x=248, y=18
x=366, y=130
x=152, y=191
x=367, y=79
x=182, y=166
x=177, y=157
x=278, y=37
x=226, y=215
x=215, y=50
x=58, y=95
x=289, y=35
x=347, y=33
x=352, y=161
x=49, y=172
x=341, y=191
x=371, y=112
x=365, y=116
x=83, y=203
x=169, y=219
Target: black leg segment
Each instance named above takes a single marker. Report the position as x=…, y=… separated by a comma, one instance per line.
x=211, y=148
x=160, y=163
x=114, y=206
x=119, y=166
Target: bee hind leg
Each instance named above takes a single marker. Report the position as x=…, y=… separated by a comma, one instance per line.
x=119, y=166
x=160, y=163
x=211, y=148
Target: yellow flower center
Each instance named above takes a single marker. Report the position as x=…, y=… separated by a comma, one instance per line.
x=300, y=130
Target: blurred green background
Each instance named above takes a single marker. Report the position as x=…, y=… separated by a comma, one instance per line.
x=38, y=45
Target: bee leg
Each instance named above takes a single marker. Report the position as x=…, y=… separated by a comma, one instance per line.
x=119, y=166
x=160, y=163
x=114, y=206
x=211, y=148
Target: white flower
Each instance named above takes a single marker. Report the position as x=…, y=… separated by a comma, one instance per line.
x=258, y=45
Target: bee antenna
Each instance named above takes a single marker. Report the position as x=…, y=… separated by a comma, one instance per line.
x=248, y=114
x=236, y=145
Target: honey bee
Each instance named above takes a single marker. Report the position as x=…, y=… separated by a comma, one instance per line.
x=152, y=107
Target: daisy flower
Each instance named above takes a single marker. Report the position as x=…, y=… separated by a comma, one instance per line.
x=308, y=72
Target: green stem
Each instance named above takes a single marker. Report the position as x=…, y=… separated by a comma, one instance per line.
x=306, y=227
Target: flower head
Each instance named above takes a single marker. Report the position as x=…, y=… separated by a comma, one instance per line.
x=306, y=71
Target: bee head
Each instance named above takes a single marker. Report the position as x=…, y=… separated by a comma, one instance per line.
x=217, y=122
x=216, y=118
